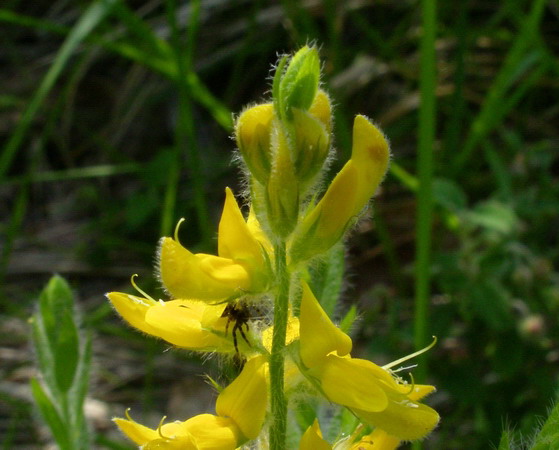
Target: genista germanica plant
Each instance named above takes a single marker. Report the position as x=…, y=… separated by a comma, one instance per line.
x=291, y=356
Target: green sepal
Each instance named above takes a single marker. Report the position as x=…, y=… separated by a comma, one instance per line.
x=548, y=437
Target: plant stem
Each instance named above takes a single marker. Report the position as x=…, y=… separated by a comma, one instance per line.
x=278, y=400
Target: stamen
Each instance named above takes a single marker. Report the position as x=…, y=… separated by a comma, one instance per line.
x=399, y=369
x=138, y=289
x=413, y=355
x=412, y=385
x=176, y=234
x=159, y=428
x=127, y=414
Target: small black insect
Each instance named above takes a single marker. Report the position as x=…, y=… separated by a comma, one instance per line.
x=239, y=313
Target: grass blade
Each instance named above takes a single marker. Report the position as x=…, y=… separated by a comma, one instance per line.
x=426, y=140
x=88, y=21
x=518, y=62
x=50, y=415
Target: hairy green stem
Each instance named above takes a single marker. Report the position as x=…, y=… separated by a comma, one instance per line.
x=278, y=400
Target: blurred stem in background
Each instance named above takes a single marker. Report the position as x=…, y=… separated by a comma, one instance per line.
x=426, y=140
x=185, y=135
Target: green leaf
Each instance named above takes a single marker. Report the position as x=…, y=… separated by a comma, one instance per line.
x=45, y=359
x=55, y=299
x=548, y=437
x=51, y=416
x=349, y=318
x=81, y=382
x=494, y=216
x=67, y=352
x=57, y=314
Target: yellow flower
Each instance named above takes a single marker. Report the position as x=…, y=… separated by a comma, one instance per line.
x=377, y=440
x=312, y=439
x=315, y=346
x=241, y=267
x=346, y=196
x=380, y=439
x=202, y=432
x=190, y=324
x=245, y=400
x=241, y=409
x=372, y=392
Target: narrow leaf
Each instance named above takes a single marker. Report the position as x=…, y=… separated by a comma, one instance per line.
x=57, y=314
x=51, y=416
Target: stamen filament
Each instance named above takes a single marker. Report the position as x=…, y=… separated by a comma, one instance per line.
x=138, y=289
x=176, y=233
x=413, y=355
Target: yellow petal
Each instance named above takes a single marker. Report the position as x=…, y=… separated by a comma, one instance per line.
x=252, y=132
x=350, y=382
x=236, y=241
x=172, y=436
x=421, y=390
x=322, y=110
x=180, y=323
x=256, y=230
x=202, y=432
x=200, y=276
x=346, y=196
x=292, y=333
x=319, y=336
x=133, y=310
x=403, y=418
x=377, y=440
x=246, y=398
x=224, y=270
x=180, y=443
x=312, y=439
x=211, y=432
x=136, y=432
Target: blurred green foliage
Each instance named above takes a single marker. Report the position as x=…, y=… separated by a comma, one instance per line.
x=115, y=119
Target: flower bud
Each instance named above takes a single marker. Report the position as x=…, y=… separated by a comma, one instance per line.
x=252, y=132
x=312, y=143
x=299, y=83
x=321, y=108
x=346, y=196
x=282, y=193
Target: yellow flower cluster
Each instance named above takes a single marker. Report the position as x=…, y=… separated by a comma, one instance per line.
x=285, y=145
